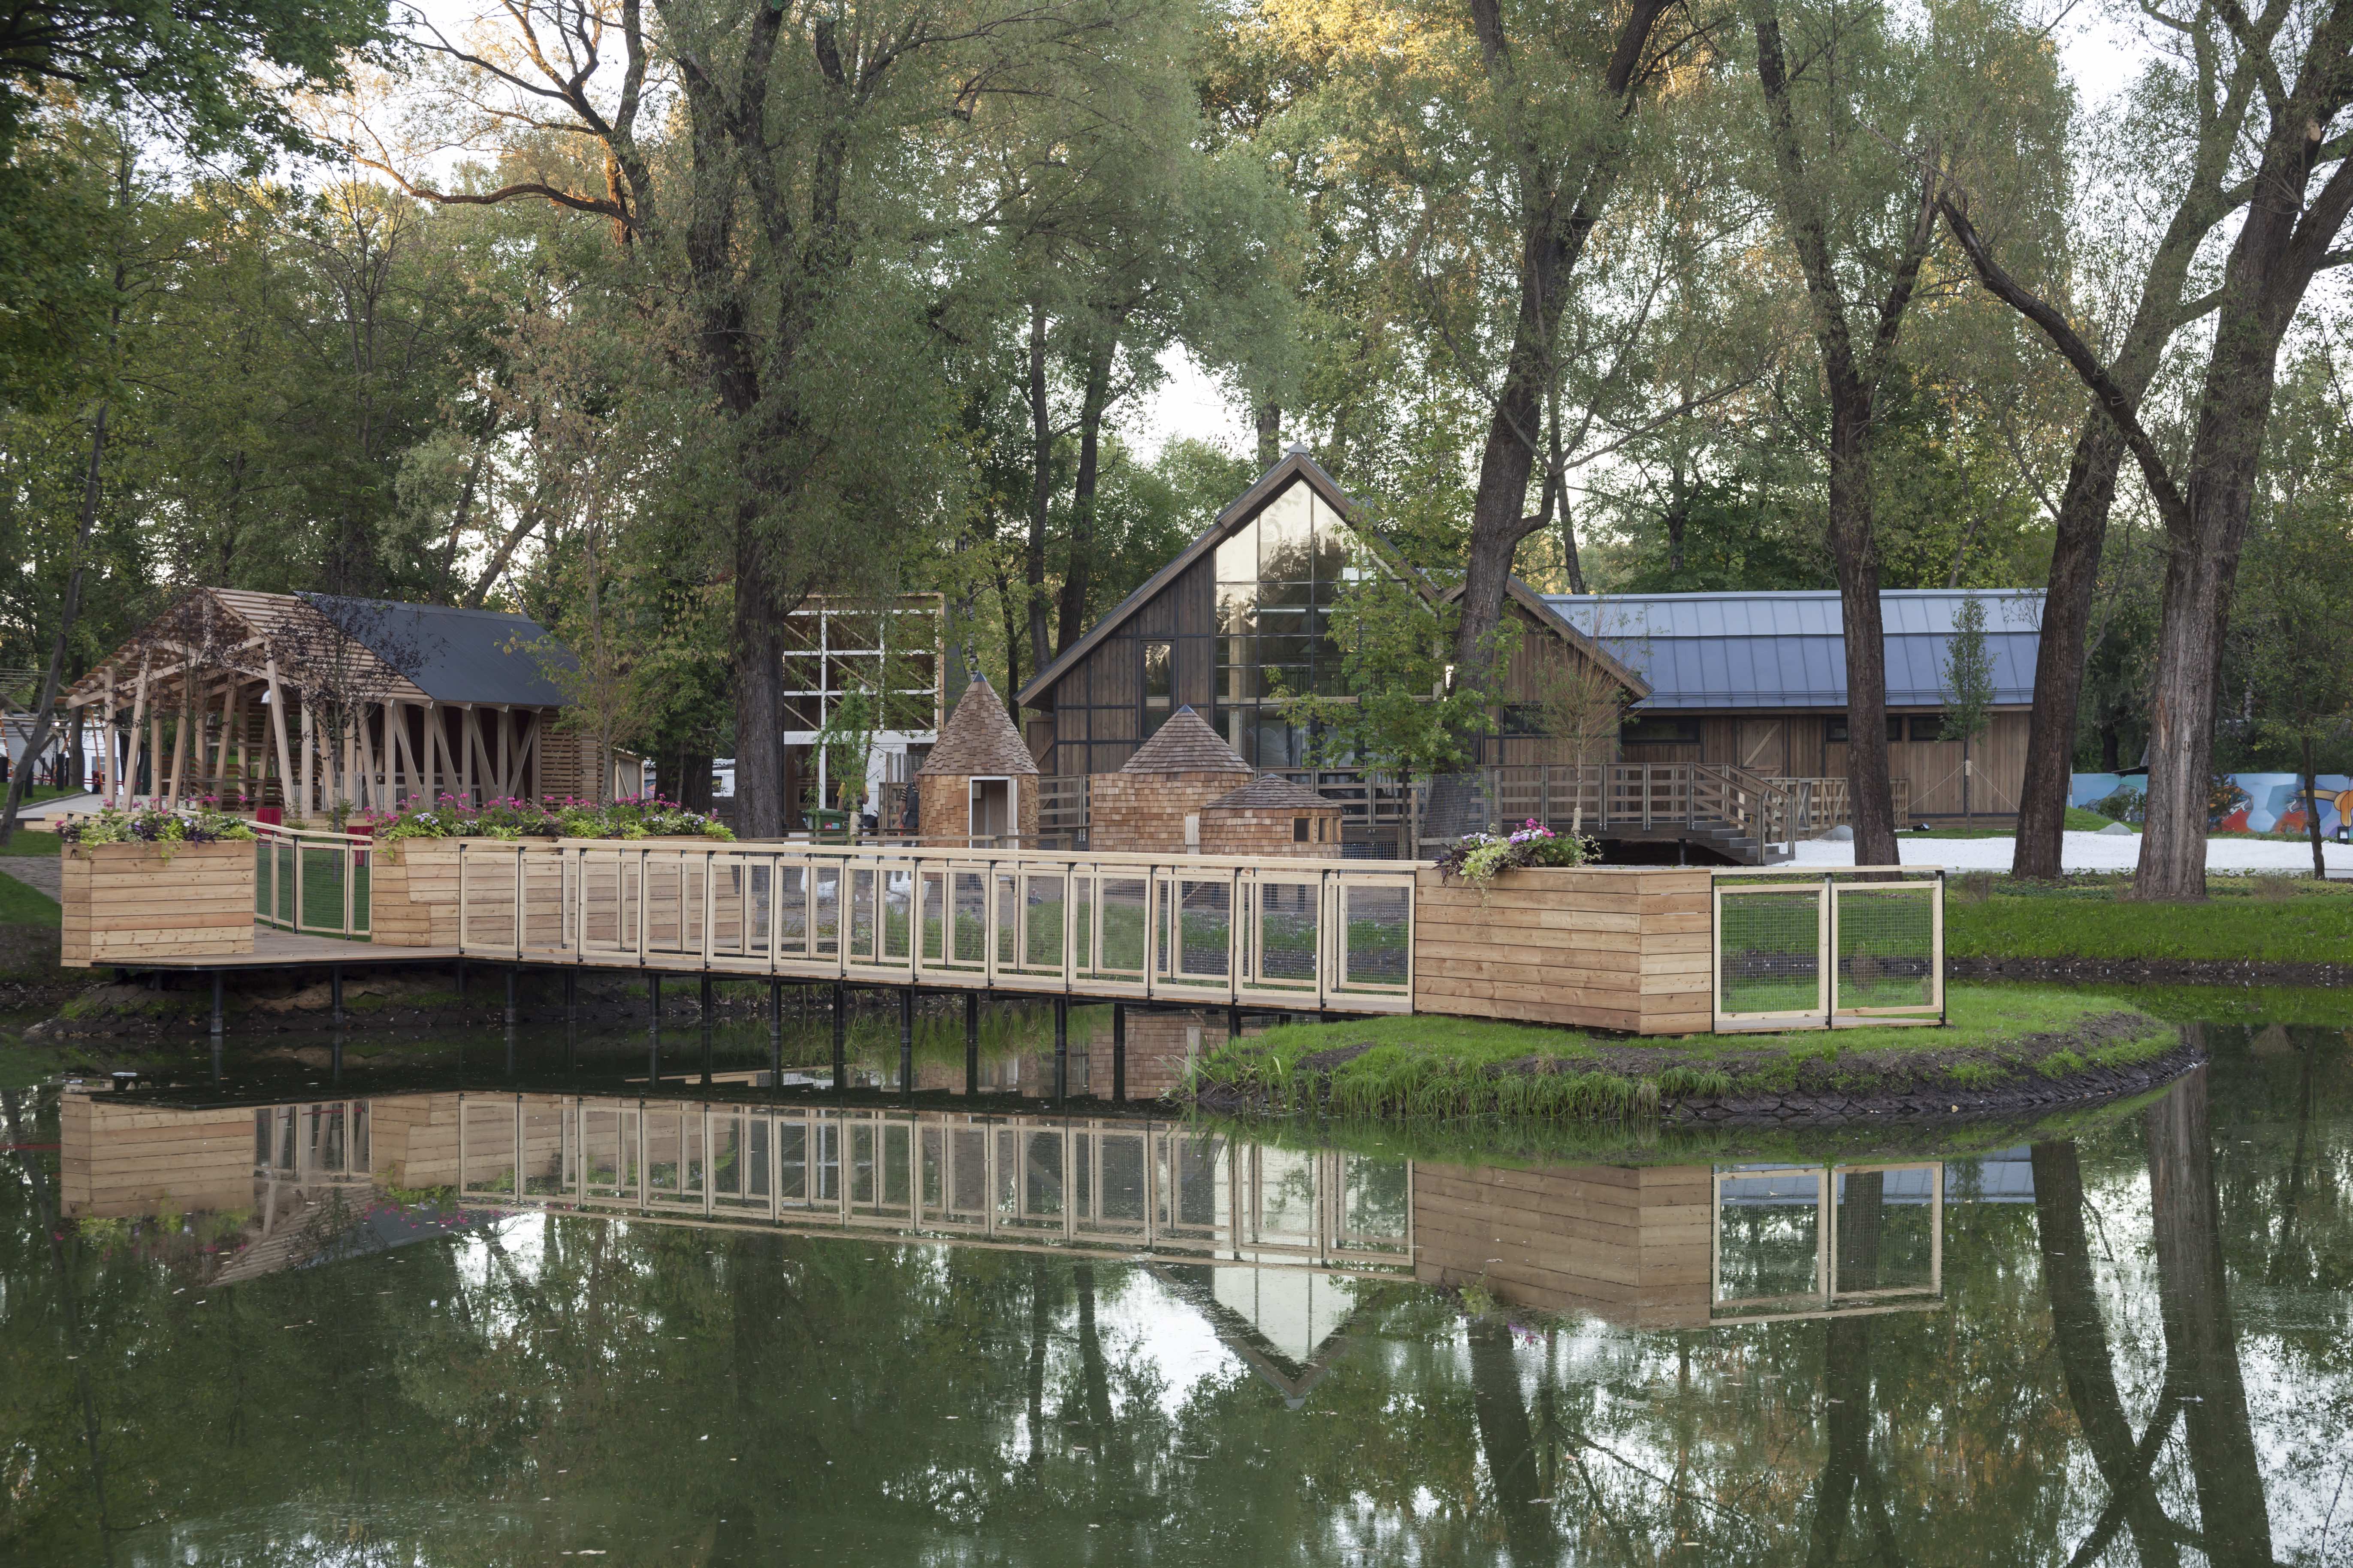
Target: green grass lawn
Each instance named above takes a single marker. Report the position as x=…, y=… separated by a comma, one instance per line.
x=30, y=841
x=2277, y=919
x=23, y=906
x=1428, y=1066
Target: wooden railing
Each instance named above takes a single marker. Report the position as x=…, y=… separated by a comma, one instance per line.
x=1296, y=935
x=1820, y=947
x=312, y=881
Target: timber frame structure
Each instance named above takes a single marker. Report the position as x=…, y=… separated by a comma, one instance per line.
x=307, y=702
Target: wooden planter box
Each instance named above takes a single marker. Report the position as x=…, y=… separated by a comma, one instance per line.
x=413, y=893
x=127, y=902
x=1600, y=947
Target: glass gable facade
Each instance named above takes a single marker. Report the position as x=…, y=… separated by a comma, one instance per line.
x=1277, y=579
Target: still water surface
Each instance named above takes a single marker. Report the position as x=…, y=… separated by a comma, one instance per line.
x=479, y=1324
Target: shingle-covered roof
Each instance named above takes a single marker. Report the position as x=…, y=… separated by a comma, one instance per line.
x=980, y=739
x=1788, y=650
x=1271, y=792
x=453, y=654
x=1186, y=744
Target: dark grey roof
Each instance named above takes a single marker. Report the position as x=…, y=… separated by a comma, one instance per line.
x=1271, y=792
x=1788, y=650
x=457, y=655
x=978, y=740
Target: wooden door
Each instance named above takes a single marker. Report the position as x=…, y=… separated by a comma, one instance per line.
x=1762, y=746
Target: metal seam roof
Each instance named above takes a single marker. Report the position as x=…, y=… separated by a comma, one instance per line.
x=1789, y=650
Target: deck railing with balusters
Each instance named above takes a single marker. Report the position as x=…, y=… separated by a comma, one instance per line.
x=1301, y=935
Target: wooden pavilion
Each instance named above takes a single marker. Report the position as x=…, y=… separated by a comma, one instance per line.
x=309, y=701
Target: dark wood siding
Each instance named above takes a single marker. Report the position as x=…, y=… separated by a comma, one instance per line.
x=1098, y=704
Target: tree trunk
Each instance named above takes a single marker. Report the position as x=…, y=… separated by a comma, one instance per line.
x=1558, y=203
x=2081, y=1341
x=2311, y=815
x=2081, y=532
x=1041, y=488
x=1870, y=790
x=37, y=734
x=1269, y=416
x=1078, y=576
x=2201, y=1347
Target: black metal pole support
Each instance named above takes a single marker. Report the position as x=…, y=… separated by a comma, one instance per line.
x=219, y=1028
x=972, y=1042
x=775, y=1033
x=653, y=1029
x=509, y=1019
x=704, y=1000
x=1234, y=1022
x=840, y=1037
x=906, y=1040
x=1119, y=1053
x=1061, y=1047
x=336, y=1045
x=571, y=1019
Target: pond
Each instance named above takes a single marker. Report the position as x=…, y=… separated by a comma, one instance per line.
x=450, y=1318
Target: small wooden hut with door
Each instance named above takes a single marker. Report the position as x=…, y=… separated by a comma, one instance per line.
x=310, y=702
x=979, y=786
x=1154, y=804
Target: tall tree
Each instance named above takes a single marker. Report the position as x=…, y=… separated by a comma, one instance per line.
x=1862, y=137
x=2293, y=215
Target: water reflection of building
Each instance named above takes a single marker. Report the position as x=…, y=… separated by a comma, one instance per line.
x=1664, y=1245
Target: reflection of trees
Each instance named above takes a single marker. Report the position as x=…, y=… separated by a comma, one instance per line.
x=1509, y=1440
x=2201, y=1347
x=1848, y=1476
x=2124, y=1461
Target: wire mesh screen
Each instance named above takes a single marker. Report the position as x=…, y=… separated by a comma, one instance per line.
x=1125, y=900
x=1887, y=947
x=1204, y=929
x=1283, y=939
x=1769, y=958
x=1376, y=937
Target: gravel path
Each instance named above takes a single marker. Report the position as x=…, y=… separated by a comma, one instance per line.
x=2089, y=852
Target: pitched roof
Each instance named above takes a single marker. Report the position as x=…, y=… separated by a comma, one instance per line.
x=1271, y=792
x=1186, y=744
x=980, y=739
x=1789, y=650
x=417, y=653
x=1295, y=465
x=453, y=654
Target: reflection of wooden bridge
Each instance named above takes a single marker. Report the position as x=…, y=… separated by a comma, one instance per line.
x=1681, y=1245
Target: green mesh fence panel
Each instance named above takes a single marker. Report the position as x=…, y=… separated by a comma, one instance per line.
x=1380, y=936
x=1770, y=959
x=1286, y=933
x=1886, y=942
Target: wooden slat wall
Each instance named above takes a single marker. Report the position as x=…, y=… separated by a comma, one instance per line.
x=1934, y=768
x=1608, y=948
x=1096, y=721
x=124, y=902
x=1627, y=1244
x=119, y=1158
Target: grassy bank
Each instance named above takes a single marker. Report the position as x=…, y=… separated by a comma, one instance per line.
x=2266, y=919
x=1429, y=1067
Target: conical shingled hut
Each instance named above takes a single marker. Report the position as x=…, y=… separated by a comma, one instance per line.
x=979, y=786
x=1272, y=815
x=1152, y=805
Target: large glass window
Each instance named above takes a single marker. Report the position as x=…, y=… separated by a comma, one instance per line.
x=1278, y=578
x=1159, y=684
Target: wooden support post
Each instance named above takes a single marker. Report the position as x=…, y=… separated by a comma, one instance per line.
x=653, y=1029
x=840, y=1037
x=705, y=1001
x=1119, y=1053
x=277, y=697
x=310, y=746
x=217, y=1028
x=510, y=1014
x=775, y=1033
x=906, y=1040
x=138, y=718
x=180, y=742
x=506, y=728
x=1062, y=1048
x=972, y=1042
